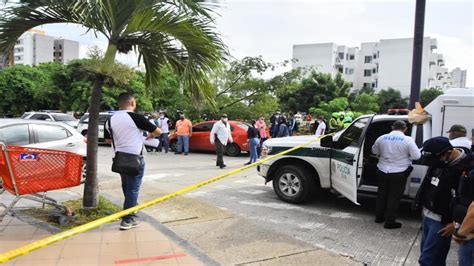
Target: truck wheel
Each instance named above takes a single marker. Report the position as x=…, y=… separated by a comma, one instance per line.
x=293, y=184
x=232, y=150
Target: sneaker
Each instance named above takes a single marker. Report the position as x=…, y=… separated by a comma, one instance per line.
x=125, y=225
x=392, y=225
x=379, y=220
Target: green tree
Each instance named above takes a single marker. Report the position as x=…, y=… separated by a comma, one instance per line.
x=391, y=98
x=178, y=33
x=365, y=103
x=314, y=90
x=428, y=95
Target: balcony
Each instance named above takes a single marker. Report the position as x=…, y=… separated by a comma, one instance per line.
x=434, y=44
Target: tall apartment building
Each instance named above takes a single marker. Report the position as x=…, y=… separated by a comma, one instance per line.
x=35, y=47
x=378, y=65
x=65, y=50
x=459, y=77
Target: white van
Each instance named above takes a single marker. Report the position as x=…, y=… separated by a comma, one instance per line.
x=344, y=162
x=84, y=124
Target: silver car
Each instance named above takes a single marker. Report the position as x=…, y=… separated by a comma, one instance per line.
x=43, y=134
x=52, y=116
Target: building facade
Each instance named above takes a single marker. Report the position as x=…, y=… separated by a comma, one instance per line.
x=379, y=65
x=35, y=47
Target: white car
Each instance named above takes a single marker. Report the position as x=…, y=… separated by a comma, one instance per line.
x=47, y=116
x=84, y=124
x=43, y=134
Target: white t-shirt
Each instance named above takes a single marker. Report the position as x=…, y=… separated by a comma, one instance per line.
x=321, y=127
x=396, y=152
x=461, y=142
x=163, y=124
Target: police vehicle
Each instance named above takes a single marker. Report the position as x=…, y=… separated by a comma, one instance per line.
x=343, y=162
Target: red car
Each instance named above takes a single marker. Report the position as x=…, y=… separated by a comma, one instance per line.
x=200, y=140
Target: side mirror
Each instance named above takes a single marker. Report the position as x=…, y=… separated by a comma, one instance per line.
x=327, y=142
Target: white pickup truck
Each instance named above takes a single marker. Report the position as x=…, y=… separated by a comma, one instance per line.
x=344, y=162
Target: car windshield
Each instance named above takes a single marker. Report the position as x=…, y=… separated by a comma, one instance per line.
x=63, y=117
x=243, y=126
x=102, y=118
x=25, y=115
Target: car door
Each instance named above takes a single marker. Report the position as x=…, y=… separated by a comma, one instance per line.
x=200, y=137
x=345, y=158
x=17, y=134
x=56, y=137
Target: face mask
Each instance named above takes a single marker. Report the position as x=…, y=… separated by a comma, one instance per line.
x=225, y=120
x=181, y=118
x=434, y=162
x=162, y=116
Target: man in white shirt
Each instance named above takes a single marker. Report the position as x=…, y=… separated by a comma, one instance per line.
x=395, y=152
x=457, y=137
x=321, y=126
x=163, y=124
x=125, y=128
x=220, y=136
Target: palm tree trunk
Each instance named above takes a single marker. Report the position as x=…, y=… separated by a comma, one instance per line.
x=91, y=186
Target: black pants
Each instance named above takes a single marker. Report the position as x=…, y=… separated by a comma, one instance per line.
x=220, y=148
x=390, y=192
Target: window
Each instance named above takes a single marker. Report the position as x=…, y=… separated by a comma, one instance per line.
x=374, y=85
x=60, y=46
x=18, y=42
x=64, y=117
x=367, y=85
x=346, y=71
x=347, y=56
x=352, y=134
x=48, y=133
x=41, y=117
x=349, y=71
x=351, y=57
x=367, y=72
x=374, y=70
x=341, y=70
x=15, y=135
x=341, y=55
x=60, y=54
x=375, y=56
x=207, y=127
x=368, y=59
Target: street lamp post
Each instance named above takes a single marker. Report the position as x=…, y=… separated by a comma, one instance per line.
x=417, y=53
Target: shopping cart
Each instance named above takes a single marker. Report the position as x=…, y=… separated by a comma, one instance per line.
x=28, y=173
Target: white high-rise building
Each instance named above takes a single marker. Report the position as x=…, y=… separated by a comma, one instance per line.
x=35, y=47
x=378, y=65
x=459, y=77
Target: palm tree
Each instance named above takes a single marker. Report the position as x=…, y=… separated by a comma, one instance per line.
x=178, y=33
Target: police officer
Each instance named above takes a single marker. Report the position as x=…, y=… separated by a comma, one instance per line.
x=395, y=152
x=446, y=165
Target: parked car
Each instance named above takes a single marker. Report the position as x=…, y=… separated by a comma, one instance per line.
x=344, y=162
x=84, y=124
x=43, y=134
x=51, y=116
x=200, y=140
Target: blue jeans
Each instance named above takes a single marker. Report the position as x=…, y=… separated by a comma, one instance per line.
x=183, y=141
x=466, y=253
x=131, y=188
x=253, y=149
x=434, y=247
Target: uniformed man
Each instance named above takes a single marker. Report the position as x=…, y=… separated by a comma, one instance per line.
x=395, y=152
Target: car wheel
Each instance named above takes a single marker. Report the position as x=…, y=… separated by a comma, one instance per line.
x=84, y=171
x=232, y=150
x=84, y=133
x=293, y=184
x=174, y=146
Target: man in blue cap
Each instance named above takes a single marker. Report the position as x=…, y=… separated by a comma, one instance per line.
x=446, y=166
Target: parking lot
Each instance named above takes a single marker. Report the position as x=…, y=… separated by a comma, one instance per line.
x=240, y=220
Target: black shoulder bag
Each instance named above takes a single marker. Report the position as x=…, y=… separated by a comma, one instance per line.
x=124, y=163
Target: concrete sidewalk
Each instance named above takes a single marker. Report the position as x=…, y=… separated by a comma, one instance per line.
x=106, y=245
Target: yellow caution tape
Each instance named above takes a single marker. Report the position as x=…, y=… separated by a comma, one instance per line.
x=4, y=257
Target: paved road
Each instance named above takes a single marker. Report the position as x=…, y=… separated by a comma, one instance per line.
x=240, y=220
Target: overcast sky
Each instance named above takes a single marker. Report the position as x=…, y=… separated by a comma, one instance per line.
x=271, y=27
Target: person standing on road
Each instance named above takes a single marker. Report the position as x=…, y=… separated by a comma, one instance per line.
x=125, y=128
x=464, y=236
x=262, y=127
x=184, y=130
x=163, y=124
x=283, y=130
x=395, y=152
x=446, y=166
x=291, y=124
x=220, y=136
x=321, y=129
x=253, y=136
x=457, y=136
